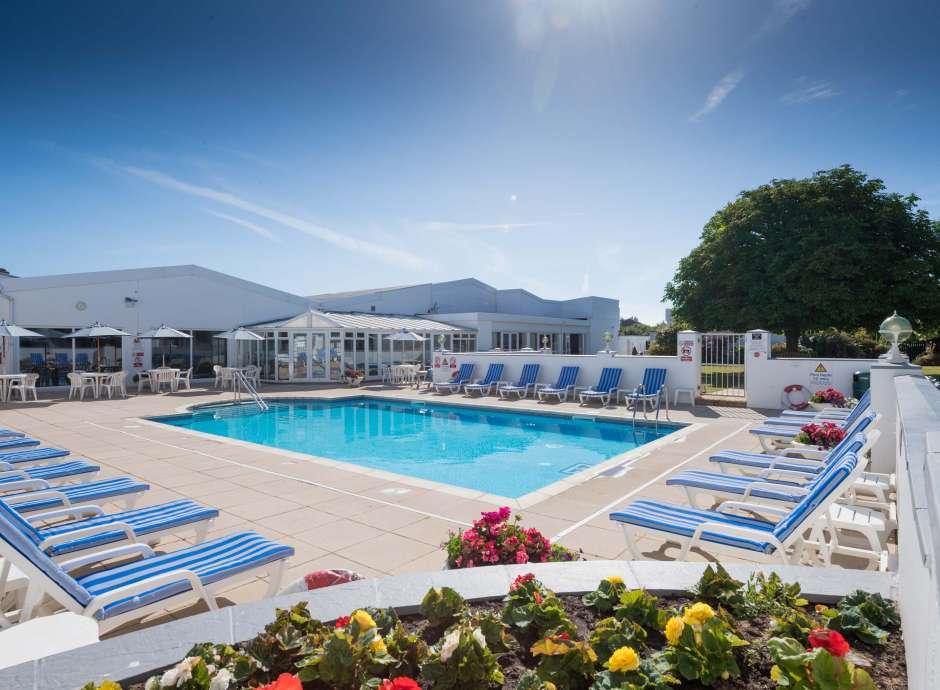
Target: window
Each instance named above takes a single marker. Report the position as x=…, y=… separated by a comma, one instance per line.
x=269, y=356
x=94, y=354
x=283, y=357
x=49, y=356
x=208, y=351
x=173, y=352
x=464, y=342
x=508, y=341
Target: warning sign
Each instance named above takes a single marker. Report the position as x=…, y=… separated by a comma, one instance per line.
x=820, y=377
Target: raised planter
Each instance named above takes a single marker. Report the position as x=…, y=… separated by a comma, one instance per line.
x=139, y=654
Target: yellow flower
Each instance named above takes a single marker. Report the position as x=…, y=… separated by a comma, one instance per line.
x=674, y=628
x=615, y=580
x=775, y=674
x=548, y=686
x=698, y=613
x=364, y=620
x=821, y=608
x=624, y=659
x=378, y=644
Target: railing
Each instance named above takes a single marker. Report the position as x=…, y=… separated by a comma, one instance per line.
x=723, y=364
x=240, y=384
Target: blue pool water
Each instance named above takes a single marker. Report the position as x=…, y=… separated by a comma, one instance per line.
x=504, y=453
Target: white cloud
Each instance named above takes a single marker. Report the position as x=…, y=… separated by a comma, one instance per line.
x=807, y=91
x=257, y=229
x=586, y=284
x=437, y=225
x=390, y=255
x=781, y=13
x=719, y=93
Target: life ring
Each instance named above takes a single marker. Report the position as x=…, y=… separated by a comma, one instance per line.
x=788, y=396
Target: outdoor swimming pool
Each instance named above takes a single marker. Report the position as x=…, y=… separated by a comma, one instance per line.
x=505, y=453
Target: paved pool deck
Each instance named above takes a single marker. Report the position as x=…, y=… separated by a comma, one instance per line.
x=338, y=516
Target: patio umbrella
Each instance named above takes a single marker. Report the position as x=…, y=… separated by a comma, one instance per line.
x=403, y=337
x=11, y=330
x=164, y=331
x=239, y=334
x=97, y=330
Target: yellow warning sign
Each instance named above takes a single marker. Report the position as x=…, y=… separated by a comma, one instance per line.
x=820, y=369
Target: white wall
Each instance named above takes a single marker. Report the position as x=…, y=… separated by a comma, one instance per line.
x=680, y=374
x=765, y=379
x=624, y=344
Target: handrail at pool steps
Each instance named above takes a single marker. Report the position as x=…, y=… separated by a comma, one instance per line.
x=240, y=383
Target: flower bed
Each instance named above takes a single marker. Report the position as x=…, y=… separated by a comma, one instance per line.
x=726, y=634
x=829, y=396
x=824, y=436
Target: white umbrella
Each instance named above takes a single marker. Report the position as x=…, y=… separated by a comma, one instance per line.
x=404, y=336
x=164, y=331
x=97, y=330
x=239, y=334
x=11, y=330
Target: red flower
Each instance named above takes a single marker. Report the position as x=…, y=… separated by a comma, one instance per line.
x=285, y=681
x=563, y=636
x=829, y=640
x=341, y=622
x=400, y=683
x=521, y=580
x=537, y=597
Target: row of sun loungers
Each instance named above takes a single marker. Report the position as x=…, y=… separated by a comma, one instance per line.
x=785, y=504
x=59, y=550
x=650, y=393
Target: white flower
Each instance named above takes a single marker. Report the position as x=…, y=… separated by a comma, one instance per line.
x=450, y=645
x=168, y=679
x=153, y=683
x=478, y=636
x=179, y=674
x=222, y=680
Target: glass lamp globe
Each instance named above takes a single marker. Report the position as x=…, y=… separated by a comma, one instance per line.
x=895, y=329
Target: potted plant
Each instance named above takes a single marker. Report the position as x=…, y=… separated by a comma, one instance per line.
x=354, y=377
x=829, y=397
x=822, y=436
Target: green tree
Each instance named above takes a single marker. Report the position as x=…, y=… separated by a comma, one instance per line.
x=633, y=326
x=833, y=250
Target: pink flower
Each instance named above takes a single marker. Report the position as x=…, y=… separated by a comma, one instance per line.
x=522, y=556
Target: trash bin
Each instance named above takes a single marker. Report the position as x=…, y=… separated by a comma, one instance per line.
x=861, y=382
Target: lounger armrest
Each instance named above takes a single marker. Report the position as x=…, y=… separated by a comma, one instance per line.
x=23, y=485
x=580, y=389
x=117, y=552
x=794, y=474
x=6, y=467
x=808, y=463
x=810, y=453
x=72, y=511
x=103, y=600
x=540, y=386
x=733, y=530
x=771, y=486
x=40, y=495
x=754, y=507
x=7, y=471
x=89, y=532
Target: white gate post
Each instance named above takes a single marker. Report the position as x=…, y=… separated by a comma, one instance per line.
x=689, y=354
x=756, y=354
x=884, y=399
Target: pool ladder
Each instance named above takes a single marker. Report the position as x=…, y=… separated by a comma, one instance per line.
x=241, y=384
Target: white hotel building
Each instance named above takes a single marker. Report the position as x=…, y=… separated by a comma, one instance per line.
x=306, y=339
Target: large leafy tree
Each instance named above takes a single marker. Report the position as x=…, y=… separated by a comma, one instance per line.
x=834, y=250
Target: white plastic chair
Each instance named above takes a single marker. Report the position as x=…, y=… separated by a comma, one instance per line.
x=143, y=379
x=78, y=384
x=25, y=385
x=116, y=383
x=183, y=377
x=217, y=370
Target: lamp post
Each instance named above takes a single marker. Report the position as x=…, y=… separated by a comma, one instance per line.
x=895, y=329
x=608, y=338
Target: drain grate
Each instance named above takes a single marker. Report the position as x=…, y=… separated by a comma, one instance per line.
x=574, y=469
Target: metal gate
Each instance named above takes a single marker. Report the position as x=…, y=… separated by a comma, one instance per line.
x=723, y=365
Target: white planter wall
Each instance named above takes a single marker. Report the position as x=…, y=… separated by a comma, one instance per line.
x=765, y=379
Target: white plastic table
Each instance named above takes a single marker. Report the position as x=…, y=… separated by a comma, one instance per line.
x=5, y=381
x=685, y=391
x=162, y=375
x=97, y=377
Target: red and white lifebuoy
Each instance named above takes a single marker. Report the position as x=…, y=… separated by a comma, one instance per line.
x=800, y=401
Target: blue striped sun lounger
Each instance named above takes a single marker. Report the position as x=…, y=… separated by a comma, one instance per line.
x=71, y=471
x=842, y=421
x=789, y=487
x=32, y=455
x=464, y=376
x=567, y=380
x=830, y=412
x=18, y=442
x=6, y=433
x=118, y=594
x=651, y=392
x=526, y=382
x=772, y=434
x=80, y=536
x=735, y=532
x=751, y=463
x=47, y=498
x=606, y=388
x=492, y=380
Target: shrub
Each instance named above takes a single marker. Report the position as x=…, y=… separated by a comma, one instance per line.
x=841, y=344
x=666, y=340
x=607, y=594
x=823, y=436
x=701, y=645
x=564, y=662
x=530, y=605
x=495, y=539
x=461, y=661
x=930, y=357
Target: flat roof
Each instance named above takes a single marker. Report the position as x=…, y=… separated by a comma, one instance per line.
x=361, y=321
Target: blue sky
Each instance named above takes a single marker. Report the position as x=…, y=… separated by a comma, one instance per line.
x=568, y=148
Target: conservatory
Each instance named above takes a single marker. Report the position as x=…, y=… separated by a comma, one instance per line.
x=318, y=346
